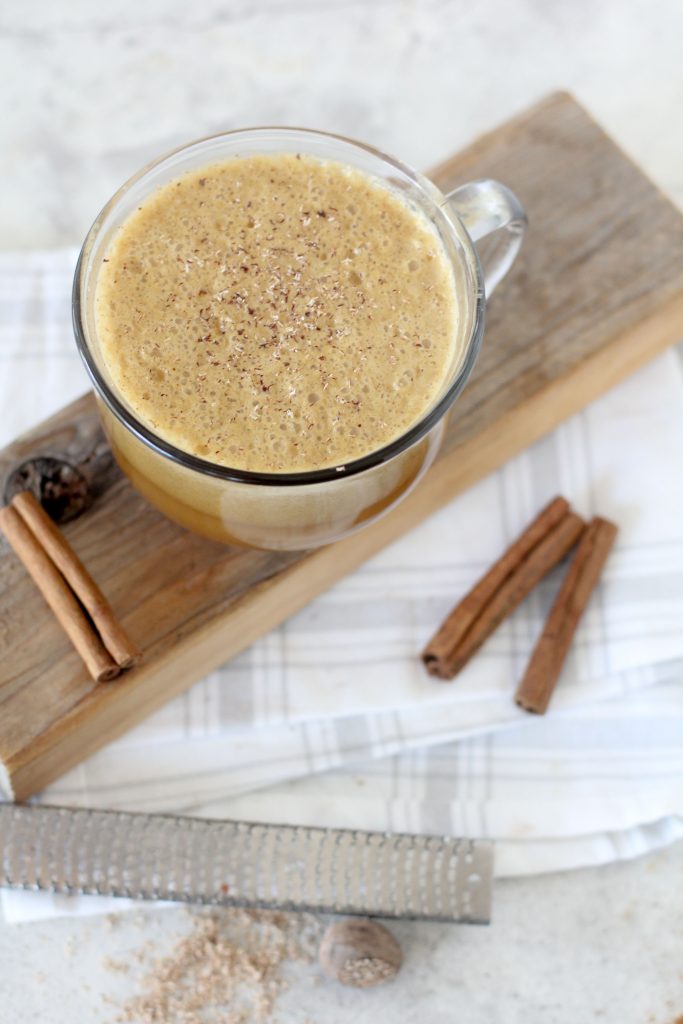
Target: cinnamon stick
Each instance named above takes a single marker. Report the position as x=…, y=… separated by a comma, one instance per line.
x=544, y=668
x=445, y=658
x=61, y=600
x=115, y=639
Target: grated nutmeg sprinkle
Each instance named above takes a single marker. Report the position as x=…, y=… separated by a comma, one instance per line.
x=228, y=970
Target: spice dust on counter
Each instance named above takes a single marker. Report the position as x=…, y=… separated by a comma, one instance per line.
x=228, y=970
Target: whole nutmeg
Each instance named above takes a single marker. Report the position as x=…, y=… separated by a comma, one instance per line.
x=359, y=952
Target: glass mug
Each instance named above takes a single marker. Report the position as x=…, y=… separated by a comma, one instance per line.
x=292, y=511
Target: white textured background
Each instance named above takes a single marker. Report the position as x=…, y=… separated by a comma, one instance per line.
x=92, y=90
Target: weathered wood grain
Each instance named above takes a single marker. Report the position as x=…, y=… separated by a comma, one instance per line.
x=597, y=290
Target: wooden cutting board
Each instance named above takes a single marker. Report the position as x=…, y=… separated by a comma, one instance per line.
x=597, y=291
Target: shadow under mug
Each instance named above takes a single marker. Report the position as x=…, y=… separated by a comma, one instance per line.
x=292, y=511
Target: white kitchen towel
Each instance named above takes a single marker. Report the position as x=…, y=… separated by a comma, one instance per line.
x=340, y=682
x=608, y=766
x=195, y=774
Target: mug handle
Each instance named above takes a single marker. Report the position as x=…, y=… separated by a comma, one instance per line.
x=489, y=210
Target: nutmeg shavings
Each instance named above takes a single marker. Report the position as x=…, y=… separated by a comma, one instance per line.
x=228, y=970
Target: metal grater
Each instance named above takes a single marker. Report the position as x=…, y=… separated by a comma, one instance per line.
x=232, y=863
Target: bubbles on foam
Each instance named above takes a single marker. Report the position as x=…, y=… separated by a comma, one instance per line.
x=346, y=308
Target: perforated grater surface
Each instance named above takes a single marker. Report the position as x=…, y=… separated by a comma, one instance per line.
x=163, y=857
